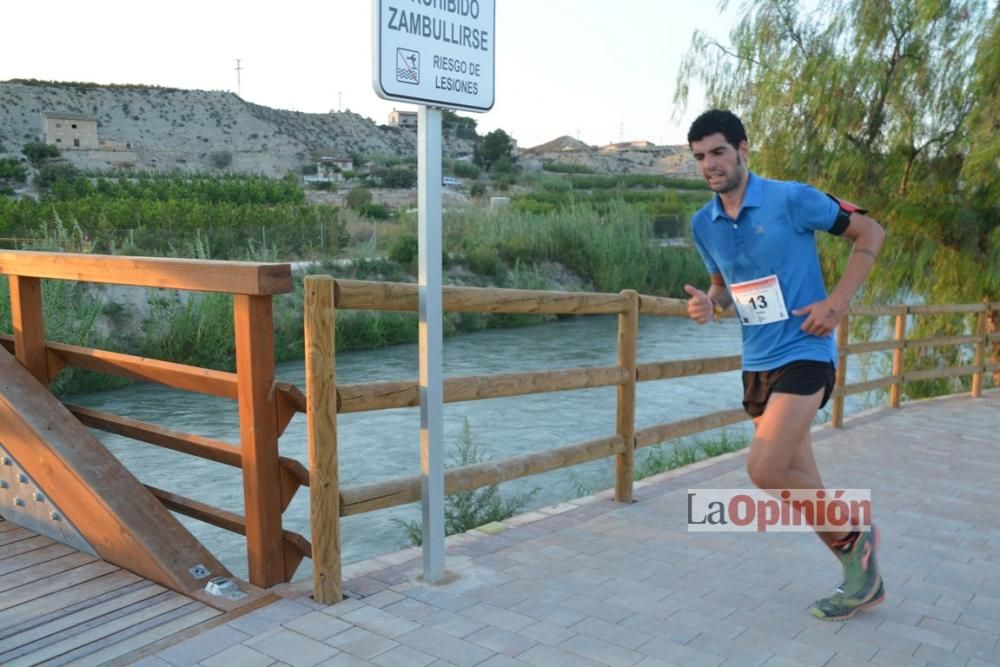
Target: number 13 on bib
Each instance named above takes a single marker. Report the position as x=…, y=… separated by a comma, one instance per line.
x=759, y=301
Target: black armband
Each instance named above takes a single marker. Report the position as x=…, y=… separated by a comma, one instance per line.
x=844, y=210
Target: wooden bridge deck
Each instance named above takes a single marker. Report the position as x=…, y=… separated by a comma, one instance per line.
x=593, y=582
x=59, y=606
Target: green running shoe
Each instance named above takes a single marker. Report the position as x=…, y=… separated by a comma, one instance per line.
x=862, y=587
x=839, y=607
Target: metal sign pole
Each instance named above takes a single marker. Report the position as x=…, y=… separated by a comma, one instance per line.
x=431, y=340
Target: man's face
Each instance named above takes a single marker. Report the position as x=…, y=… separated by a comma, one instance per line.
x=722, y=166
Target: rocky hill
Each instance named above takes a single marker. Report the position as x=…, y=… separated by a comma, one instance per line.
x=153, y=128
x=166, y=128
x=632, y=157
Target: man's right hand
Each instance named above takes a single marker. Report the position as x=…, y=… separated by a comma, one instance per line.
x=700, y=306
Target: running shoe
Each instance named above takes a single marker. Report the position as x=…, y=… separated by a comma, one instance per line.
x=862, y=587
x=839, y=607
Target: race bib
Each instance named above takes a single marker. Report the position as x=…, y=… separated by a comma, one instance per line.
x=759, y=301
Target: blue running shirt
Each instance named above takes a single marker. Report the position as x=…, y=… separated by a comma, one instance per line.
x=774, y=234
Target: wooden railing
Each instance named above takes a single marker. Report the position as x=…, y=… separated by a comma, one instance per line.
x=265, y=407
x=982, y=338
x=324, y=296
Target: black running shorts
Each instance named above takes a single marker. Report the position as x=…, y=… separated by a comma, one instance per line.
x=802, y=378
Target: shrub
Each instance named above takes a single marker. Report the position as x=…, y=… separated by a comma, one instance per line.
x=464, y=169
x=221, y=159
x=470, y=509
x=37, y=152
x=359, y=197
x=484, y=261
x=560, y=168
x=375, y=211
x=478, y=189
x=398, y=177
x=13, y=170
x=404, y=249
x=52, y=175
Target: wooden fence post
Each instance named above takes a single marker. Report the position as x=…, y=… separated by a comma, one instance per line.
x=29, y=325
x=254, y=329
x=321, y=416
x=837, y=412
x=896, y=389
x=628, y=343
x=981, y=330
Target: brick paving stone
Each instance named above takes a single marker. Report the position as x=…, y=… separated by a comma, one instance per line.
x=151, y=661
x=410, y=609
x=501, y=618
x=501, y=641
x=244, y=656
x=546, y=633
x=317, y=625
x=361, y=643
x=586, y=606
x=610, y=632
x=380, y=622
x=202, y=646
x=500, y=661
x=440, y=599
x=550, y=656
x=451, y=623
x=682, y=655
x=403, y=656
x=458, y=651
x=938, y=656
x=383, y=599
x=292, y=648
x=886, y=658
x=265, y=618
x=552, y=613
x=724, y=648
x=658, y=627
x=339, y=660
x=601, y=651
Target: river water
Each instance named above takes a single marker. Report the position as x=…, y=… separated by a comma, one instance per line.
x=385, y=444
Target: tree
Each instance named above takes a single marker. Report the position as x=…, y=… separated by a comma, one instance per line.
x=37, y=152
x=889, y=103
x=492, y=147
x=358, y=198
x=11, y=169
x=462, y=126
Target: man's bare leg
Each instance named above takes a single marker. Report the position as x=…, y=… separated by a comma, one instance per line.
x=781, y=455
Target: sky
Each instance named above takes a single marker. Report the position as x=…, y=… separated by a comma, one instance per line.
x=600, y=71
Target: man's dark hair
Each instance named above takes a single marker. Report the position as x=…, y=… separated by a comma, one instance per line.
x=718, y=120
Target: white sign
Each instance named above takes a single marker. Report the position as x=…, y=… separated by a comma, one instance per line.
x=436, y=52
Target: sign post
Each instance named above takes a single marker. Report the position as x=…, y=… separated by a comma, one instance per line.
x=437, y=54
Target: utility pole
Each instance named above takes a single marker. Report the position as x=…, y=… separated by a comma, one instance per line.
x=340, y=101
x=621, y=131
x=239, y=88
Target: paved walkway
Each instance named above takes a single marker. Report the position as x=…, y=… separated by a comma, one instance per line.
x=593, y=583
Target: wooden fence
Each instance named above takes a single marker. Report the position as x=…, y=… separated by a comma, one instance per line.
x=265, y=407
x=324, y=296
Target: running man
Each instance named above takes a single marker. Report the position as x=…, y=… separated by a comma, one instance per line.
x=757, y=239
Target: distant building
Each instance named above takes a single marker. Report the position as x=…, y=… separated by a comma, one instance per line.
x=330, y=170
x=406, y=119
x=70, y=130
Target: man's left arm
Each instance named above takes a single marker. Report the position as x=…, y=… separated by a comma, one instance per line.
x=824, y=316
